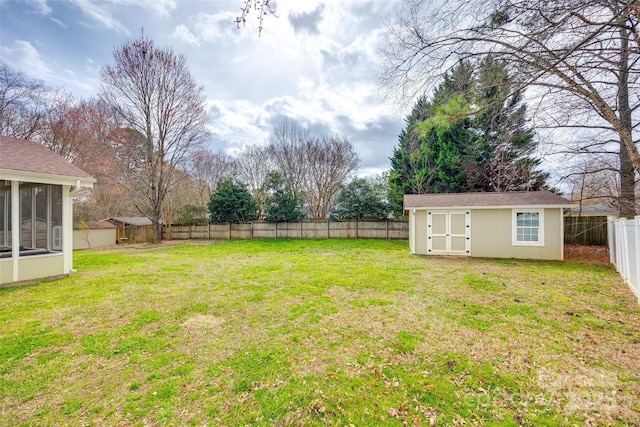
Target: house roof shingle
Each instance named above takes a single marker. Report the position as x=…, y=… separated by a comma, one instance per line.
x=28, y=156
x=485, y=200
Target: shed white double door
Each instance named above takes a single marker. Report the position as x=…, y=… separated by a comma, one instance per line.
x=448, y=232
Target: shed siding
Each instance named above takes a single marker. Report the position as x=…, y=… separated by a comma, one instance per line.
x=491, y=235
x=420, y=233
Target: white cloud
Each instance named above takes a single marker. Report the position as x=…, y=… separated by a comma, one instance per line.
x=59, y=22
x=237, y=123
x=160, y=7
x=322, y=76
x=216, y=27
x=41, y=6
x=24, y=56
x=101, y=14
x=182, y=34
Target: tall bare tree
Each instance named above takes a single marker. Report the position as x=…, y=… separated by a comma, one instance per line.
x=153, y=92
x=314, y=167
x=581, y=55
x=286, y=148
x=594, y=181
x=207, y=169
x=331, y=160
x=23, y=103
x=252, y=166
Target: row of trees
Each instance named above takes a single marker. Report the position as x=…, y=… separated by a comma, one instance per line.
x=233, y=202
x=578, y=58
x=136, y=137
x=143, y=139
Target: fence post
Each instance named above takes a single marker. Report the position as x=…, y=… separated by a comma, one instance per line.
x=386, y=225
x=625, y=253
x=611, y=239
x=636, y=229
x=328, y=229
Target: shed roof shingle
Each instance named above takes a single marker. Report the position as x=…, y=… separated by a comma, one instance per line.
x=486, y=200
x=596, y=209
x=96, y=225
x=130, y=220
x=28, y=156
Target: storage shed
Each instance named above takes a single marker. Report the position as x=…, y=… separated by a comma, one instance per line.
x=36, y=227
x=519, y=224
x=94, y=234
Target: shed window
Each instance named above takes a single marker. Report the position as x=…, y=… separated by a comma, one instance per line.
x=528, y=227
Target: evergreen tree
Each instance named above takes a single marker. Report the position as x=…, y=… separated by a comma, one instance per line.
x=232, y=202
x=281, y=203
x=193, y=215
x=429, y=157
x=505, y=145
x=361, y=200
x=471, y=136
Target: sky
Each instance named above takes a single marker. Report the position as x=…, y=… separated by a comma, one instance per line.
x=315, y=63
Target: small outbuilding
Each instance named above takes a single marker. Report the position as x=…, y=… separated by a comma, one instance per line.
x=94, y=234
x=520, y=224
x=126, y=221
x=592, y=210
x=36, y=226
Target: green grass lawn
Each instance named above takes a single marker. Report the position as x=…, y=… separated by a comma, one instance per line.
x=315, y=332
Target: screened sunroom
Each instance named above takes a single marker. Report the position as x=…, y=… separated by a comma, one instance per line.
x=36, y=226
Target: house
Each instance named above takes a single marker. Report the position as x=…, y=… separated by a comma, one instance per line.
x=94, y=234
x=521, y=224
x=36, y=226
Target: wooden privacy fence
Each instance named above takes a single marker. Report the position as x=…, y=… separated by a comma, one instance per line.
x=135, y=233
x=309, y=229
x=585, y=230
x=624, y=250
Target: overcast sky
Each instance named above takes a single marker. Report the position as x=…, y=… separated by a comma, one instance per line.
x=315, y=63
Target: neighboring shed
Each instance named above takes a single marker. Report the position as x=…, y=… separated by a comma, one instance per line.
x=521, y=224
x=593, y=210
x=131, y=228
x=124, y=221
x=587, y=224
x=36, y=227
x=94, y=234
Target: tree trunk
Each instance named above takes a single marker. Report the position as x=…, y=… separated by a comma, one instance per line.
x=627, y=197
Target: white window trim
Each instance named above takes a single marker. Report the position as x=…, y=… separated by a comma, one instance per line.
x=514, y=227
